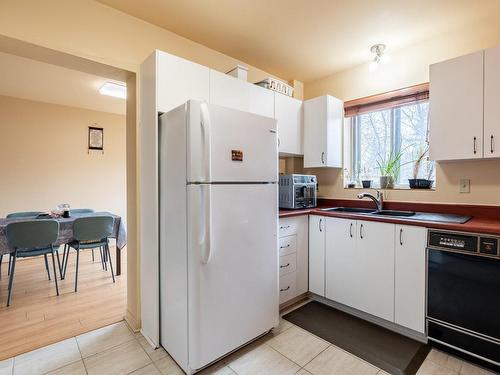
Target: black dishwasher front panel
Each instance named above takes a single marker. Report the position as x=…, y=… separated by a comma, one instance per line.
x=464, y=290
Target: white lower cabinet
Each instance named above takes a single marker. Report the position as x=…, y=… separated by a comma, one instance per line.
x=374, y=267
x=293, y=257
x=317, y=237
x=410, y=277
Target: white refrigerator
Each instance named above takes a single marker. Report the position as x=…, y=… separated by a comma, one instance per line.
x=218, y=231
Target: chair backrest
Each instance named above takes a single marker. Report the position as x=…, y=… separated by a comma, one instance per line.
x=81, y=210
x=20, y=215
x=32, y=234
x=93, y=228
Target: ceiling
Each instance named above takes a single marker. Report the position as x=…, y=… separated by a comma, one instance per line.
x=306, y=39
x=33, y=80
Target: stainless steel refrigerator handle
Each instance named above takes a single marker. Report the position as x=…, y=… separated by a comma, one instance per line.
x=205, y=225
x=207, y=142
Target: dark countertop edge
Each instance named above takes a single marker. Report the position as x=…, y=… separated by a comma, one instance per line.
x=474, y=225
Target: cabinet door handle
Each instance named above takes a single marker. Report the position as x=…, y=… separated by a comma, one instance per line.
x=284, y=290
x=320, y=226
x=350, y=230
x=284, y=247
x=288, y=226
x=323, y=157
x=475, y=143
x=361, y=231
x=401, y=236
x=285, y=266
x=491, y=144
x=278, y=141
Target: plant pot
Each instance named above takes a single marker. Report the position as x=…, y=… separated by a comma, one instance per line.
x=386, y=182
x=420, y=183
x=366, y=183
x=351, y=185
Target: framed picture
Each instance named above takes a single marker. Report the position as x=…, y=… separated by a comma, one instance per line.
x=96, y=138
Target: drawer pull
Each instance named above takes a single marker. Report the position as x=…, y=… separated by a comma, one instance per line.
x=284, y=247
x=285, y=266
x=361, y=231
x=285, y=227
x=350, y=230
x=284, y=290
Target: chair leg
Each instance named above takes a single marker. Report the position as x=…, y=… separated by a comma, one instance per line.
x=110, y=263
x=47, y=265
x=92, y=255
x=102, y=256
x=10, y=264
x=1, y=258
x=77, y=261
x=11, y=279
x=65, y=261
x=59, y=264
x=55, y=273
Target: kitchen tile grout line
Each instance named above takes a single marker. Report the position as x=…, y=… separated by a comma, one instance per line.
x=81, y=356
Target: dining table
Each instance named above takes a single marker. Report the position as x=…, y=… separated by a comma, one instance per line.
x=65, y=234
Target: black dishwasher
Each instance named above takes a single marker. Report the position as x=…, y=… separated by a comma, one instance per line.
x=463, y=294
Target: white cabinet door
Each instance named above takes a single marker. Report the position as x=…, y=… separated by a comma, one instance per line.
x=302, y=285
x=323, y=123
x=374, y=264
x=179, y=80
x=492, y=103
x=342, y=279
x=317, y=232
x=456, y=108
x=235, y=93
x=288, y=114
x=409, y=309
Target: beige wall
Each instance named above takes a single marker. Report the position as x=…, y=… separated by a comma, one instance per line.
x=43, y=151
x=409, y=67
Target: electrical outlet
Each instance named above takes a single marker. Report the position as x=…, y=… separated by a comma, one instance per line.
x=464, y=185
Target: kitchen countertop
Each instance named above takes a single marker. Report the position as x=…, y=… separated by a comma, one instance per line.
x=484, y=219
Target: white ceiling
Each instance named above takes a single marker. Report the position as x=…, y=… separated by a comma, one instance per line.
x=307, y=39
x=33, y=80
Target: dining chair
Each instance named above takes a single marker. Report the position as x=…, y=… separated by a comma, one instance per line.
x=66, y=248
x=90, y=233
x=29, y=239
x=25, y=215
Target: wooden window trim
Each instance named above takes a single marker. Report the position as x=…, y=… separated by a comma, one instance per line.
x=387, y=100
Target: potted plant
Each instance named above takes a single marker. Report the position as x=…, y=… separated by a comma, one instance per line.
x=366, y=181
x=389, y=169
x=347, y=177
x=421, y=183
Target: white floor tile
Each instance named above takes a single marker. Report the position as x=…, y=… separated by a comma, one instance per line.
x=121, y=359
x=167, y=366
x=335, y=361
x=76, y=368
x=6, y=366
x=48, y=358
x=103, y=338
x=154, y=354
x=445, y=360
x=470, y=369
x=298, y=345
x=148, y=370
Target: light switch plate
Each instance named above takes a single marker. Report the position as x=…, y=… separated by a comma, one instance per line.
x=464, y=185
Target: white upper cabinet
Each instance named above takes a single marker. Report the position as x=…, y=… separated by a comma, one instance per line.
x=235, y=93
x=409, y=277
x=323, y=122
x=492, y=103
x=456, y=108
x=317, y=232
x=179, y=80
x=289, y=116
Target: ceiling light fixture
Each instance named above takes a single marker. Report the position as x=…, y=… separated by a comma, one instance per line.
x=380, y=56
x=114, y=89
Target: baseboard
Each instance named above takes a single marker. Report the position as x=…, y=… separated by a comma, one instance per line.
x=293, y=301
x=132, y=322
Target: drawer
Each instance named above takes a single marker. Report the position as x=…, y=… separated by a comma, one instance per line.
x=287, y=287
x=288, y=245
x=288, y=227
x=288, y=263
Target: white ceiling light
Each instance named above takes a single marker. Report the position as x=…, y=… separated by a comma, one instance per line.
x=380, y=56
x=116, y=90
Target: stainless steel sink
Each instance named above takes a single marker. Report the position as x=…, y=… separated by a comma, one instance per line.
x=393, y=213
x=355, y=210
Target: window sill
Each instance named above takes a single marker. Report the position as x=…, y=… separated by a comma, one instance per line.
x=394, y=188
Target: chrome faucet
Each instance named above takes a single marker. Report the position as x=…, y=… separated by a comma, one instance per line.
x=379, y=199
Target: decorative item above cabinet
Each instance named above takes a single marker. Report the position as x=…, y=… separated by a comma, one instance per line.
x=323, y=123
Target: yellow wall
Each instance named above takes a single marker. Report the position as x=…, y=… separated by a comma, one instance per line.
x=409, y=67
x=43, y=151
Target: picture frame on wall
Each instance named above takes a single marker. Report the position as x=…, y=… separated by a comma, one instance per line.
x=96, y=138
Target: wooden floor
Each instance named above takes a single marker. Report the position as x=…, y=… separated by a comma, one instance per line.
x=38, y=317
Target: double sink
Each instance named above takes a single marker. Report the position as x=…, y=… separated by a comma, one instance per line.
x=356, y=210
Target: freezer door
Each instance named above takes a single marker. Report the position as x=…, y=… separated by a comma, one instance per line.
x=233, y=267
x=227, y=145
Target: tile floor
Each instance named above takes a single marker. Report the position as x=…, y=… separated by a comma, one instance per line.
x=287, y=350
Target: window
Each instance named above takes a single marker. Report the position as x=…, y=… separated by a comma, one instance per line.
x=396, y=136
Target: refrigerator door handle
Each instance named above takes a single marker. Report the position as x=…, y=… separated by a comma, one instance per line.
x=205, y=225
x=205, y=124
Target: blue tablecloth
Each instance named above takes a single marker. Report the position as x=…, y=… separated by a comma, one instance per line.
x=66, y=230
